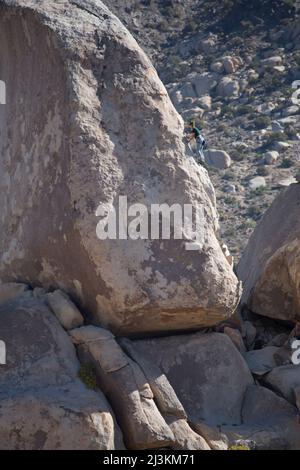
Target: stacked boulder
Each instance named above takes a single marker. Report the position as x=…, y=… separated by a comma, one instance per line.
x=87, y=147
x=270, y=265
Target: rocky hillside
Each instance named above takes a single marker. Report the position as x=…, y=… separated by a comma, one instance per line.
x=136, y=343
x=231, y=66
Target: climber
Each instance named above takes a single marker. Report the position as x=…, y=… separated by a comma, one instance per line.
x=198, y=138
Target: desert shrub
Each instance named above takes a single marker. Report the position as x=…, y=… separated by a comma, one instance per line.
x=247, y=224
x=229, y=175
x=275, y=137
x=254, y=212
x=263, y=170
x=237, y=155
x=222, y=127
x=191, y=26
x=228, y=110
x=237, y=41
x=255, y=64
x=286, y=163
x=290, y=131
x=230, y=233
x=174, y=60
x=272, y=81
x=87, y=375
x=252, y=79
x=259, y=191
x=291, y=3
x=261, y=122
x=229, y=200
x=244, y=109
x=239, y=447
x=247, y=25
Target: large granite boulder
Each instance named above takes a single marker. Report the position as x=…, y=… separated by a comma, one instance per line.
x=148, y=410
x=87, y=120
x=43, y=404
x=208, y=374
x=270, y=265
x=269, y=422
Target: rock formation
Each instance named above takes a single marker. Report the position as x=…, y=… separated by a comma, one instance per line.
x=192, y=391
x=88, y=120
x=40, y=394
x=195, y=365
x=82, y=365
x=270, y=266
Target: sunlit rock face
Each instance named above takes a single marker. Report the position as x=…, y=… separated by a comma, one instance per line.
x=270, y=266
x=87, y=120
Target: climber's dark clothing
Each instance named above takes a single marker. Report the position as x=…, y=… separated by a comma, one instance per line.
x=200, y=141
x=198, y=136
x=196, y=132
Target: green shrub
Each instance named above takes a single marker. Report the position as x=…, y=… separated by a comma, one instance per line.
x=272, y=82
x=228, y=110
x=237, y=155
x=222, y=127
x=252, y=79
x=247, y=25
x=229, y=175
x=229, y=200
x=275, y=137
x=87, y=375
x=244, y=109
x=239, y=447
x=174, y=60
x=263, y=170
x=290, y=131
x=248, y=224
x=254, y=212
x=259, y=191
x=261, y=122
x=286, y=163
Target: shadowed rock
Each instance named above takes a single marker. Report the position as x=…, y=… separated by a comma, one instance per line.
x=196, y=365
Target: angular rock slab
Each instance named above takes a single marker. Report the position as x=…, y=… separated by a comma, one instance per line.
x=87, y=120
x=167, y=402
x=65, y=311
x=43, y=405
x=71, y=418
x=269, y=422
x=126, y=386
x=270, y=265
x=262, y=361
x=284, y=380
x=207, y=372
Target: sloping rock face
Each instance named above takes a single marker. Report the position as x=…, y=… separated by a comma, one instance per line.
x=87, y=120
x=208, y=374
x=269, y=422
x=148, y=410
x=43, y=405
x=270, y=266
